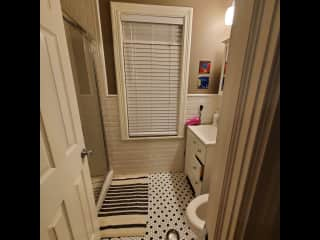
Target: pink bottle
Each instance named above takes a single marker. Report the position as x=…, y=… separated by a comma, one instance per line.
x=195, y=120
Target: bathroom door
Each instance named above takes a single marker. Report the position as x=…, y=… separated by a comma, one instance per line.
x=82, y=62
x=67, y=209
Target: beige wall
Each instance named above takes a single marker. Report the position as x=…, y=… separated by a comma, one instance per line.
x=208, y=31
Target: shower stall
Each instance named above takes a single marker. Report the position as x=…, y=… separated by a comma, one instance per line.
x=81, y=50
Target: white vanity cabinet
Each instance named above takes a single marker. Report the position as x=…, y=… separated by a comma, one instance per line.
x=199, y=156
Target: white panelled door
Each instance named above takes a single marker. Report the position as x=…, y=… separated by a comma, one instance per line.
x=67, y=209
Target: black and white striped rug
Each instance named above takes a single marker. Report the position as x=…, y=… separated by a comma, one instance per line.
x=125, y=208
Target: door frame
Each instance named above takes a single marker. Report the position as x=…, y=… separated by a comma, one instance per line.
x=249, y=104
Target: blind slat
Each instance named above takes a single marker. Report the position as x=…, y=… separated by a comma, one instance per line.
x=165, y=72
x=145, y=80
x=146, y=32
x=153, y=134
x=130, y=49
x=148, y=63
x=154, y=47
x=163, y=65
x=159, y=53
x=142, y=18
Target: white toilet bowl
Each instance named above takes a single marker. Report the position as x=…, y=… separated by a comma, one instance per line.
x=196, y=214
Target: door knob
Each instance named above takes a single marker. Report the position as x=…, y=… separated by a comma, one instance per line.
x=85, y=152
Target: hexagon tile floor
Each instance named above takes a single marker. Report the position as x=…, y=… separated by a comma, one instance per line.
x=169, y=195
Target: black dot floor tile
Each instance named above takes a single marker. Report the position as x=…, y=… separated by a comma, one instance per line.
x=169, y=196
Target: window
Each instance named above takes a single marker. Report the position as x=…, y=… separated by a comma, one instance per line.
x=152, y=48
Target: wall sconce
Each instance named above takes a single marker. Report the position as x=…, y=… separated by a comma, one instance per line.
x=228, y=18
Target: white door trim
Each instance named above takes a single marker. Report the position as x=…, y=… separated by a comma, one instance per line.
x=251, y=95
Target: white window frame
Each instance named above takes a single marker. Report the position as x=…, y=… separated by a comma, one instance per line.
x=120, y=9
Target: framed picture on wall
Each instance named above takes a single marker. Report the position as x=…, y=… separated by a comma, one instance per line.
x=204, y=67
x=203, y=82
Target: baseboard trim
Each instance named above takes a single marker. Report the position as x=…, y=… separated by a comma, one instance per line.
x=104, y=189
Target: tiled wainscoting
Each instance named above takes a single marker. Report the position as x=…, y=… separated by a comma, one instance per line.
x=131, y=157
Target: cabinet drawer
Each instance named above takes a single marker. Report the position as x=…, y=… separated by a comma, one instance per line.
x=201, y=152
x=193, y=143
x=196, y=147
x=196, y=168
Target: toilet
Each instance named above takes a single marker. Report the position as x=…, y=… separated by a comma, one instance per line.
x=196, y=214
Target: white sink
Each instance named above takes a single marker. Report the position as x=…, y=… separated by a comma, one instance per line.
x=206, y=133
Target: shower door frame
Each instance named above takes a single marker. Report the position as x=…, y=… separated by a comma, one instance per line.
x=94, y=52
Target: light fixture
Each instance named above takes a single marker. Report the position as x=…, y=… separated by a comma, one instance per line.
x=228, y=18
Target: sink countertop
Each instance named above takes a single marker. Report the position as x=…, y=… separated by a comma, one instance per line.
x=206, y=133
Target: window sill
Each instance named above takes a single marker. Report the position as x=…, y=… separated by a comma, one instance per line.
x=201, y=94
x=152, y=138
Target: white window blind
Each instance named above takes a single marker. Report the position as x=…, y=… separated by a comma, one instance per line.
x=152, y=63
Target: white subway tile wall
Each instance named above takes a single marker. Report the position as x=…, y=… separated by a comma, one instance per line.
x=145, y=156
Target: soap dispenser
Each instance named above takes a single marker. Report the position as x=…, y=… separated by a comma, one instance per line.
x=200, y=110
x=216, y=116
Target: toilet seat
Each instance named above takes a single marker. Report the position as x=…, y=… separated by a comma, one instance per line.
x=195, y=221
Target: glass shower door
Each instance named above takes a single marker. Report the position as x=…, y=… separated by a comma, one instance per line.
x=83, y=68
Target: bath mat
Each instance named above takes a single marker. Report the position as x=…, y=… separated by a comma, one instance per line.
x=125, y=208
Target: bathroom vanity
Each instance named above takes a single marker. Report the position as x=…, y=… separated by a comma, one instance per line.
x=200, y=155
